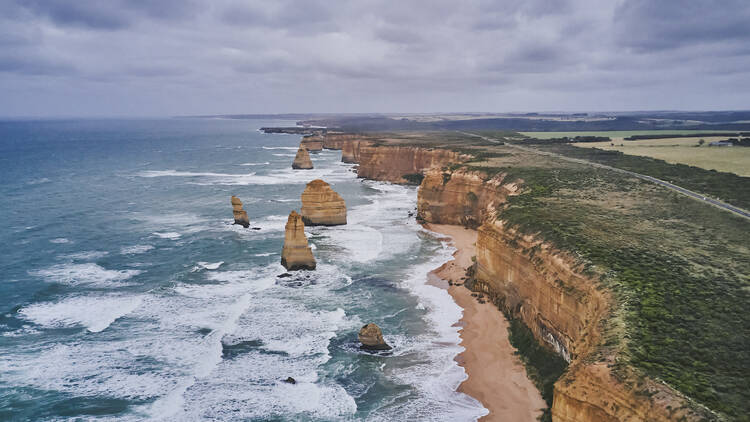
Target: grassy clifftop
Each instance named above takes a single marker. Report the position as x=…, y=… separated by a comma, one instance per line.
x=679, y=269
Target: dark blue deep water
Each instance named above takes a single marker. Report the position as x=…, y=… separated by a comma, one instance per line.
x=127, y=294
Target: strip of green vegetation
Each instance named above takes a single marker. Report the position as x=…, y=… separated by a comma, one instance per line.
x=543, y=366
x=679, y=271
x=727, y=187
x=623, y=133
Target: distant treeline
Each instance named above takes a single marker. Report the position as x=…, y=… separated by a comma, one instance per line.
x=565, y=140
x=674, y=135
x=744, y=142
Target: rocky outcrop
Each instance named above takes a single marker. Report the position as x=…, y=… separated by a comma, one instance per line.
x=463, y=197
x=371, y=338
x=296, y=253
x=392, y=163
x=302, y=160
x=322, y=206
x=312, y=142
x=240, y=216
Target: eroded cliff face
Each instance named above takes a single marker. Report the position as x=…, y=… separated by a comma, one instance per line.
x=392, y=163
x=296, y=253
x=461, y=197
x=322, y=206
x=312, y=142
x=544, y=287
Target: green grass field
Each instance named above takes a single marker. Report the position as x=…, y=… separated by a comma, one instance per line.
x=619, y=134
x=684, y=151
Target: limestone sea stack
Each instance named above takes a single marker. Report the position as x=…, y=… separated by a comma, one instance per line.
x=296, y=254
x=372, y=338
x=302, y=160
x=322, y=206
x=240, y=216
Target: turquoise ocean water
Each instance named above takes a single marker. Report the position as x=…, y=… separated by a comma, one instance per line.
x=127, y=294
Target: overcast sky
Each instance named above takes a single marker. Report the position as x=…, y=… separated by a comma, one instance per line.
x=178, y=57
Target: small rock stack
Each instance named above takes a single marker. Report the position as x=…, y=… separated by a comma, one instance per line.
x=296, y=253
x=240, y=216
x=371, y=338
x=302, y=160
x=322, y=206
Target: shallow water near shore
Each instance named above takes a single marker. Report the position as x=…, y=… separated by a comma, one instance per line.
x=127, y=294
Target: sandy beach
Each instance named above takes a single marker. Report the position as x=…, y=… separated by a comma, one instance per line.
x=497, y=377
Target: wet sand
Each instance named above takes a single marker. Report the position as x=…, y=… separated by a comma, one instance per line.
x=497, y=377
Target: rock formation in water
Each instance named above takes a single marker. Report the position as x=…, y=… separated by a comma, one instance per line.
x=371, y=338
x=322, y=206
x=240, y=216
x=302, y=160
x=296, y=253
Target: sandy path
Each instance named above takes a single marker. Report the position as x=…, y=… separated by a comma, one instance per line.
x=497, y=377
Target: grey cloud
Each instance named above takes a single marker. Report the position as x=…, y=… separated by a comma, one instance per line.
x=190, y=57
x=647, y=25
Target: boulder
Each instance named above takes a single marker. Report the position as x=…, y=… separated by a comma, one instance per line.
x=296, y=253
x=240, y=216
x=372, y=338
x=302, y=160
x=322, y=206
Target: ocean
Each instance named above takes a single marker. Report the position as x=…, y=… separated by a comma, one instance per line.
x=126, y=293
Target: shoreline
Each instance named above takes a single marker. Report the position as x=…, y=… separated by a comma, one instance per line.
x=496, y=376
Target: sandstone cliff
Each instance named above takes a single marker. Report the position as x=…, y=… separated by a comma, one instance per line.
x=313, y=142
x=322, y=206
x=460, y=197
x=566, y=310
x=240, y=216
x=302, y=160
x=392, y=163
x=296, y=254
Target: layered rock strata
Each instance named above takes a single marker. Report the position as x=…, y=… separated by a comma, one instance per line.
x=461, y=197
x=302, y=160
x=371, y=338
x=240, y=216
x=322, y=206
x=392, y=163
x=296, y=253
x=566, y=310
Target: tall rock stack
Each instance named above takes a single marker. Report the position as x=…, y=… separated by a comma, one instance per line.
x=240, y=216
x=302, y=160
x=296, y=254
x=322, y=206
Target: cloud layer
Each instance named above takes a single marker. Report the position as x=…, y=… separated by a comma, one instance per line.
x=140, y=57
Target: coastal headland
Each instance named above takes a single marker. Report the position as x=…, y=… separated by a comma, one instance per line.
x=620, y=306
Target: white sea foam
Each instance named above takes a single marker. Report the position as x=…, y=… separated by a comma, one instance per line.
x=265, y=163
x=339, y=171
x=284, y=155
x=84, y=256
x=167, y=235
x=96, y=313
x=60, y=240
x=136, y=249
x=207, y=265
x=85, y=274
